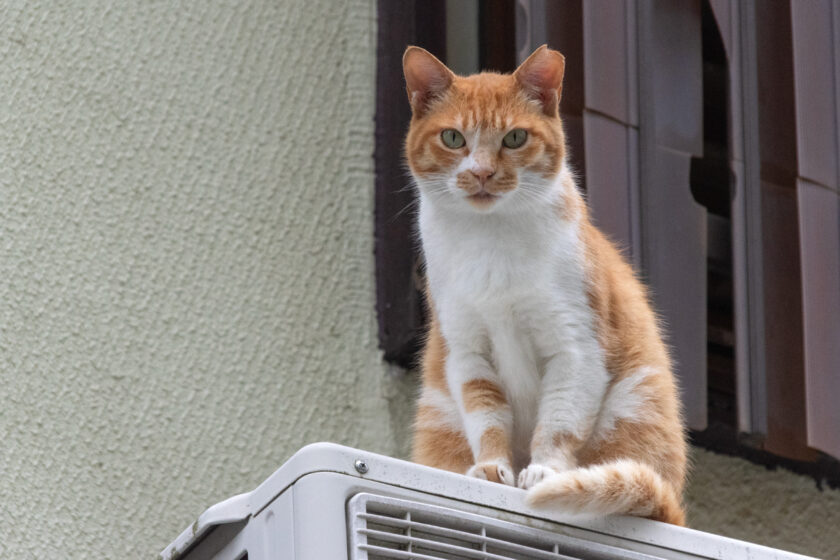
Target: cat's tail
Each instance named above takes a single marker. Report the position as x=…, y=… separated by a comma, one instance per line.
x=622, y=487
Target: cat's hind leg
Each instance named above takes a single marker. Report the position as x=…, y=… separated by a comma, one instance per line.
x=442, y=448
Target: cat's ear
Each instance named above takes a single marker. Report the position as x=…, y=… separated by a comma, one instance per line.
x=541, y=76
x=426, y=78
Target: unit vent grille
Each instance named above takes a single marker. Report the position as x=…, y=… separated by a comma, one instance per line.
x=387, y=528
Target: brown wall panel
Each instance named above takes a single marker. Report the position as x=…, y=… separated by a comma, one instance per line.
x=815, y=47
x=611, y=160
x=816, y=55
x=786, y=420
x=674, y=239
x=610, y=47
x=783, y=332
x=819, y=228
x=611, y=120
x=673, y=225
x=777, y=109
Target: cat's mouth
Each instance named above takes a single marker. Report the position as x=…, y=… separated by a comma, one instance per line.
x=483, y=199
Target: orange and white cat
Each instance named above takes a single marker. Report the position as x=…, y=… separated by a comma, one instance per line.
x=544, y=366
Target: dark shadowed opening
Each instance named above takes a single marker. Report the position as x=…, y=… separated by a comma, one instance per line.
x=711, y=186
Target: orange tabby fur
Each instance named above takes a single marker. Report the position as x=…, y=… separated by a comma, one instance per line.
x=636, y=467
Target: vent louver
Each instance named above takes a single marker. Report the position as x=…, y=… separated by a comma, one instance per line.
x=386, y=528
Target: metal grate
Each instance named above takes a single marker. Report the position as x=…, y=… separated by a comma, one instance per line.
x=386, y=528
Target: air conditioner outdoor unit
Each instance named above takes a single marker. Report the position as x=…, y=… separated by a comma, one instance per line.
x=330, y=502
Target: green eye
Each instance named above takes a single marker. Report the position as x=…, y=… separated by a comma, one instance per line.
x=515, y=138
x=452, y=138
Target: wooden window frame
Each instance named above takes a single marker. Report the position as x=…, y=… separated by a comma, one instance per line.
x=399, y=293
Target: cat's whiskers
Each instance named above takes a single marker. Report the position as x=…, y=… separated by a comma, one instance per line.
x=414, y=203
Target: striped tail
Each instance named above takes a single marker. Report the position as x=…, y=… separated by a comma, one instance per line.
x=622, y=487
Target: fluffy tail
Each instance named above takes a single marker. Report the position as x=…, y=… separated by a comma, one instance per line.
x=622, y=487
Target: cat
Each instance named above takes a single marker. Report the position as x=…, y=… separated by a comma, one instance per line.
x=544, y=366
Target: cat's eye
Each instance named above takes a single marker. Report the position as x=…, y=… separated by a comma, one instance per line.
x=515, y=138
x=452, y=138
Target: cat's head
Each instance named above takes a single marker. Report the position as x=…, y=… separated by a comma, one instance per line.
x=486, y=142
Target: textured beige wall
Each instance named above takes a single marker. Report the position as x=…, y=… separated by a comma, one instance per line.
x=186, y=268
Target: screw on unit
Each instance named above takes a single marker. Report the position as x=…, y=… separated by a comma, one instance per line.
x=361, y=466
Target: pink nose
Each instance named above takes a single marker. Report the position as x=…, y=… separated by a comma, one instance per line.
x=482, y=174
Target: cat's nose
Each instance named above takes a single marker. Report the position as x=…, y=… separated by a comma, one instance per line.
x=482, y=174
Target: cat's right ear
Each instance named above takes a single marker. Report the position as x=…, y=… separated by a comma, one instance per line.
x=426, y=78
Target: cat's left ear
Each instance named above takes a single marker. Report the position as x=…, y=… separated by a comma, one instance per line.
x=541, y=76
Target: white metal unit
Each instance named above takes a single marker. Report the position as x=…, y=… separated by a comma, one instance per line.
x=330, y=502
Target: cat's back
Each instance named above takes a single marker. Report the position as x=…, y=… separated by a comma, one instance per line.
x=641, y=417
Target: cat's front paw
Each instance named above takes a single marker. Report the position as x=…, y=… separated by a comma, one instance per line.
x=533, y=474
x=494, y=471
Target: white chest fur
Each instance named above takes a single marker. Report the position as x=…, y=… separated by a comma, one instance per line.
x=511, y=289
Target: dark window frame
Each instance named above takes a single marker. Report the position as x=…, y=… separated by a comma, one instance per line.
x=399, y=297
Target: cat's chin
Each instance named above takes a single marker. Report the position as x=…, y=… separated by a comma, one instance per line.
x=483, y=200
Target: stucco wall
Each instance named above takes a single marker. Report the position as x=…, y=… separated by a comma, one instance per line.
x=777, y=508
x=186, y=267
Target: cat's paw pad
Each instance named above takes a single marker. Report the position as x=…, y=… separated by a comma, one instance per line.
x=533, y=474
x=494, y=471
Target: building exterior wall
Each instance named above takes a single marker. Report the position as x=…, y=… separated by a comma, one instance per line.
x=186, y=261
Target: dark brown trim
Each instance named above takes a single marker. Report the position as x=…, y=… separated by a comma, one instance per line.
x=497, y=35
x=399, y=302
x=564, y=32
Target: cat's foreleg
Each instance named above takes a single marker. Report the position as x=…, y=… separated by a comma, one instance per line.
x=572, y=393
x=486, y=415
